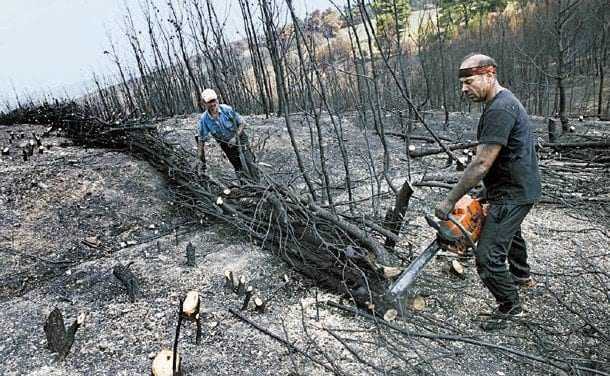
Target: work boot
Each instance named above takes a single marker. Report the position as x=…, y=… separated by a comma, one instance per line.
x=499, y=320
x=524, y=283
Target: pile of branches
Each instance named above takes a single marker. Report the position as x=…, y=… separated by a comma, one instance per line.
x=567, y=170
x=334, y=250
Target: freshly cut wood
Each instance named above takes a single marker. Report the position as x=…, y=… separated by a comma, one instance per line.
x=417, y=303
x=390, y=272
x=128, y=279
x=190, y=307
x=162, y=364
x=92, y=241
x=259, y=305
x=40, y=149
x=229, y=280
x=390, y=315
x=456, y=268
x=431, y=151
x=189, y=310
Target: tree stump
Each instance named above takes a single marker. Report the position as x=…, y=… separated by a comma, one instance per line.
x=162, y=364
x=241, y=286
x=555, y=130
x=190, y=255
x=259, y=305
x=128, y=279
x=190, y=311
x=60, y=340
x=456, y=268
x=249, y=292
x=229, y=280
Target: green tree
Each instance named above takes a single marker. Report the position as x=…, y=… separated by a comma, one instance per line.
x=461, y=13
x=391, y=17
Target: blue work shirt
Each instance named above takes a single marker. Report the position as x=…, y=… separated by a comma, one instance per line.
x=223, y=128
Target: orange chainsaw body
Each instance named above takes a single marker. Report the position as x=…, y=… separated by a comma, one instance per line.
x=470, y=213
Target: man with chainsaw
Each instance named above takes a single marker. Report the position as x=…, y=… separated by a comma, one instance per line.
x=227, y=127
x=506, y=161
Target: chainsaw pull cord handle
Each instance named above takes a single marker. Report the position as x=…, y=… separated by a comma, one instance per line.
x=464, y=231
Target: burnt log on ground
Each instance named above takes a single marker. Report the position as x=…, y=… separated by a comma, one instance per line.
x=335, y=249
x=60, y=340
x=128, y=279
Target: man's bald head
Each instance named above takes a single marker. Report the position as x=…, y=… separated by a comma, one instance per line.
x=477, y=76
x=477, y=60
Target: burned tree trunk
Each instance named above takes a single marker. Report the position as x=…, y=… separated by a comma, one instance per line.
x=395, y=216
x=60, y=340
x=128, y=279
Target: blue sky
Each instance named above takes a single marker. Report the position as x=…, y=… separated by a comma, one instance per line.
x=52, y=46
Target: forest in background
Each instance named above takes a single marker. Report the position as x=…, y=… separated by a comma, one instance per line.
x=377, y=57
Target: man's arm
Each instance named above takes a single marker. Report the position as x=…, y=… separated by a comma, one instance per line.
x=476, y=170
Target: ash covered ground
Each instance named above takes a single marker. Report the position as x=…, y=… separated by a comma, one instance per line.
x=71, y=214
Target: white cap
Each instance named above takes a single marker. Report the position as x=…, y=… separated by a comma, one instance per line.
x=208, y=95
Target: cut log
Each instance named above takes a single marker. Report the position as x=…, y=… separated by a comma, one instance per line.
x=390, y=315
x=40, y=149
x=390, y=272
x=431, y=151
x=229, y=280
x=190, y=255
x=128, y=279
x=190, y=306
x=249, y=292
x=417, y=303
x=456, y=268
x=5, y=151
x=259, y=305
x=92, y=241
x=162, y=364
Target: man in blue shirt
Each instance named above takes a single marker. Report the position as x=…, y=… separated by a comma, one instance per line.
x=226, y=126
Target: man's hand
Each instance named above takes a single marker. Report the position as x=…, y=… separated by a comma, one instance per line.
x=443, y=209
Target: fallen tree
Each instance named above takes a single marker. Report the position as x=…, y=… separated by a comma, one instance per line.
x=339, y=252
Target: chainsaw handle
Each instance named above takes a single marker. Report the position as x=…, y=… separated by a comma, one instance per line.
x=467, y=234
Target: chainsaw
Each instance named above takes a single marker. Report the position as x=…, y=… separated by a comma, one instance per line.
x=458, y=234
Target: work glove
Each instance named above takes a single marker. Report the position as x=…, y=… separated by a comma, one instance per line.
x=443, y=209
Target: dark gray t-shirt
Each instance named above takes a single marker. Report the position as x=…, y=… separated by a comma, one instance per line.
x=514, y=177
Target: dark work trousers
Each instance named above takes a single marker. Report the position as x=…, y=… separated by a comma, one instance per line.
x=238, y=152
x=501, y=240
